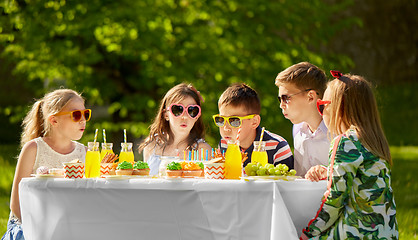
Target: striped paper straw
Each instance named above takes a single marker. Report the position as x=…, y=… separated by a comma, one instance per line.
x=95, y=136
x=104, y=136
x=239, y=132
x=124, y=135
x=261, y=139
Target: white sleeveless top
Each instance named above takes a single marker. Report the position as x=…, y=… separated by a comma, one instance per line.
x=46, y=156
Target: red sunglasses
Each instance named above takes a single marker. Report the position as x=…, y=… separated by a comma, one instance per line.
x=77, y=115
x=320, y=105
x=178, y=110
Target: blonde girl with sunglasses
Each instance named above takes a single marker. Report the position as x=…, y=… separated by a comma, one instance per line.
x=177, y=127
x=359, y=202
x=50, y=131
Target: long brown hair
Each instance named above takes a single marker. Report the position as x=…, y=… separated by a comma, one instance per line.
x=160, y=132
x=353, y=105
x=36, y=122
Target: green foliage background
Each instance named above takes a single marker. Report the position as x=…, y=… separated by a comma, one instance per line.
x=124, y=55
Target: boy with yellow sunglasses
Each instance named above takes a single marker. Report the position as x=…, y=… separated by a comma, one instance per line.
x=239, y=108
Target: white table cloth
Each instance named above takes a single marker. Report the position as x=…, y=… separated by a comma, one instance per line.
x=166, y=209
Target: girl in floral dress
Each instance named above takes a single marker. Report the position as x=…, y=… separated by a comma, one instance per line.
x=359, y=203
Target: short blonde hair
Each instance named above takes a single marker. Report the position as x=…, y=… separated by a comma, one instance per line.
x=304, y=75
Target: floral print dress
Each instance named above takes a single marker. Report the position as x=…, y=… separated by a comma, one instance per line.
x=361, y=203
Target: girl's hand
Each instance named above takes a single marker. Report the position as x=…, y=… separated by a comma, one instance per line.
x=316, y=173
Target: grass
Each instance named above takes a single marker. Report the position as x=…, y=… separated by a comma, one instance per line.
x=404, y=184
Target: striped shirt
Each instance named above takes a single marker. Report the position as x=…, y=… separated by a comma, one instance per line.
x=277, y=148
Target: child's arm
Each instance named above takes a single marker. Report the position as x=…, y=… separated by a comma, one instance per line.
x=23, y=169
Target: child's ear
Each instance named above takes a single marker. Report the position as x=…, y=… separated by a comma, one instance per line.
x=52, y=120
x=255, y=121
x=165, y=115
x=312, y=96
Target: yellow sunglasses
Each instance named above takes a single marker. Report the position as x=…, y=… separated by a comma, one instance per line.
x=77, y=115
x=234, y=121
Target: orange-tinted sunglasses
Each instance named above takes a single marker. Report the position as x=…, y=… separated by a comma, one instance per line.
x=77, y=115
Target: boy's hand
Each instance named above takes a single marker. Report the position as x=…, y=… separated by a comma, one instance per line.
x=316, y=173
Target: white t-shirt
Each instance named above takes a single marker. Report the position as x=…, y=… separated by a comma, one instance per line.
x=311, y=148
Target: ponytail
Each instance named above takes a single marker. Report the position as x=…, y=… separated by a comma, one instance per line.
x=33, y=124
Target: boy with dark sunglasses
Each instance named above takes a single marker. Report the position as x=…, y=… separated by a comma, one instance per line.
x=239, y=108
x=300, y=86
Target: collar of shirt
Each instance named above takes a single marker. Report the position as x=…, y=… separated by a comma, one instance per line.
x=320, y=131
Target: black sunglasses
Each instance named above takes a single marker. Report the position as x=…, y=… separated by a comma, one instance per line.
x=286, y=98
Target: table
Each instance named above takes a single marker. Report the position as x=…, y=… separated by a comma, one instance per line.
x=166, y=209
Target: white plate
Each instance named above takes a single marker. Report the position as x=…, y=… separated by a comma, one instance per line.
x=272, y=177
x=141, y=176
x=174, y=178
x=45, y=176
x=118, y=177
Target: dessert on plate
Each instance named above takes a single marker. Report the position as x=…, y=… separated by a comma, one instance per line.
x=174, y=170
x=141, y=168
x=124, y=168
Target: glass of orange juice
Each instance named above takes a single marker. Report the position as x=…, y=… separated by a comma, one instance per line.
x=126, y=153
x=233, y=161
x=92, y=169
x=259, y=154
x=106, y=148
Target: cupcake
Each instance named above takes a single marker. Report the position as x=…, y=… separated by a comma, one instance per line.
x=192, y=169
x=141, y=168
x=174, y=170
x=124, y=168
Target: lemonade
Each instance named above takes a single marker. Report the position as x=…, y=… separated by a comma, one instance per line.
x=233, y=162
x=106, y=148
x=259, y=153
x=259, y=157
x=92, y=169
x=126, y=153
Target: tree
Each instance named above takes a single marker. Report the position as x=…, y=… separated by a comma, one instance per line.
x=125, y=55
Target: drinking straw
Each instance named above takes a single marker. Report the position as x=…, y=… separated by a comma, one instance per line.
x=190, y=155
x=202, y=154
x=184, y=154
x=261, y=139
x=207, y=155
x=239, y=132
x=95, y=138
x=124, y=135
x=104, y=136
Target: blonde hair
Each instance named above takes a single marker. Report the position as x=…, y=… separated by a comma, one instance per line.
x=353, y=105
x=304, y=75
x=36, y=122
x=160, y=131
